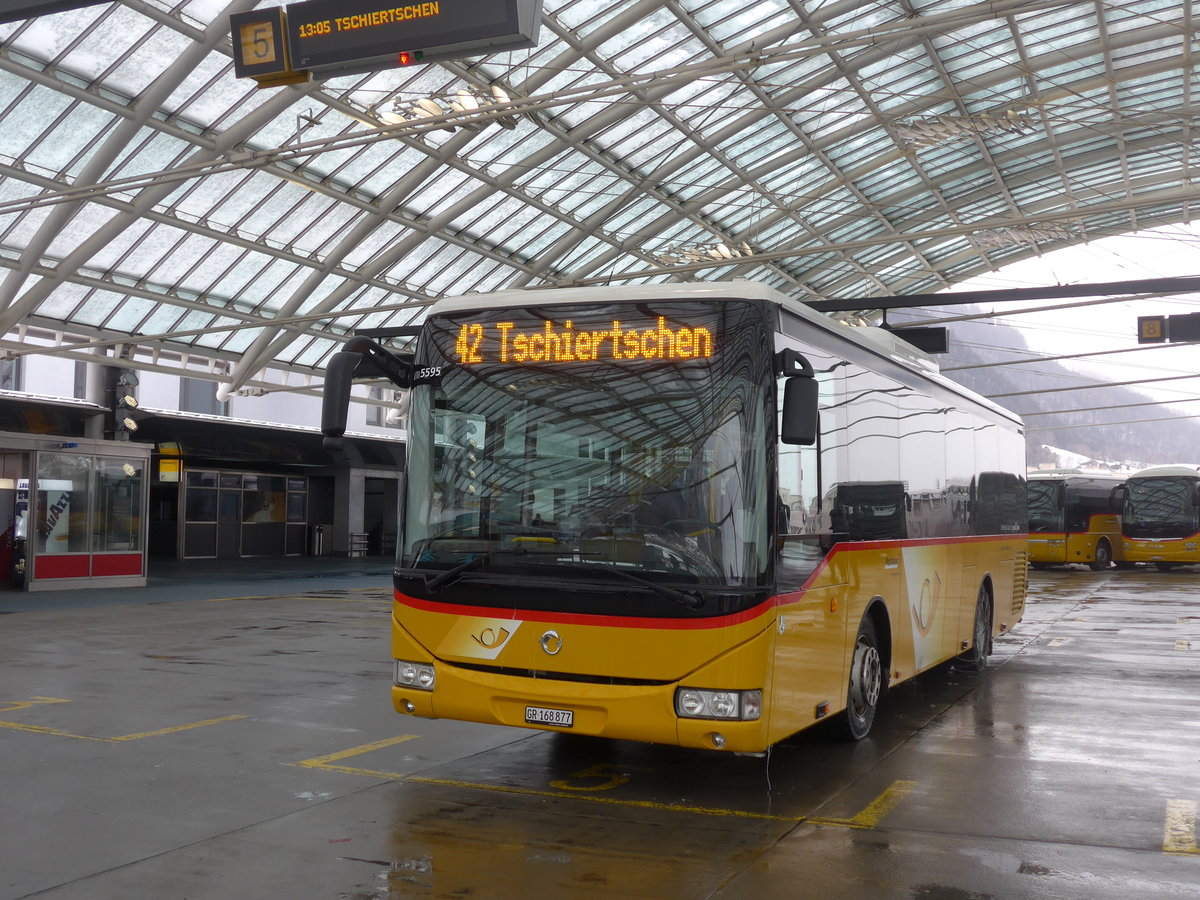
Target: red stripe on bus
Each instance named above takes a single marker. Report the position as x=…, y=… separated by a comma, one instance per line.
x=529, y=615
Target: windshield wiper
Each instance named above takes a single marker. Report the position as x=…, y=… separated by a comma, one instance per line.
x=684, y=598
x=439, y=581
x=690, y=599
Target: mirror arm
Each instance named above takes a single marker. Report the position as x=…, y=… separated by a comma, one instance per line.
x=359, y=357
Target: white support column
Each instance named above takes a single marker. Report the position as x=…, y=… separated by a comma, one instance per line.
x=348, y=488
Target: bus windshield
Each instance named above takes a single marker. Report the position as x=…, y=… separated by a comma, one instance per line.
x=566, y=439
x=1160, y=507
x=1045, y=505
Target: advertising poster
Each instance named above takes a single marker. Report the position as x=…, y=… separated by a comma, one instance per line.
x=54, y=497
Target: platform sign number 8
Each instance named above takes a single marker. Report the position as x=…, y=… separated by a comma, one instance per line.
x=1152, y=330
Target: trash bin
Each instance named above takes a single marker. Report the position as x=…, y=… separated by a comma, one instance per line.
x=317, y=541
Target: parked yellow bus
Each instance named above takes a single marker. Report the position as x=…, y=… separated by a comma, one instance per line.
x=1161, y=516
x=1075, y=517
x=699, y=515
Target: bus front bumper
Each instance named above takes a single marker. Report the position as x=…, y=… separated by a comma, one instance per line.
x=623, y=712
x=1176, y=551
x=1048, y=549
x=626, y=711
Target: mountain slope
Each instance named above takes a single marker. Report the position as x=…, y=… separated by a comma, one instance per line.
x=1104, y=423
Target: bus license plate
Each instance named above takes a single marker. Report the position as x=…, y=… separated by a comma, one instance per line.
x=539, y=715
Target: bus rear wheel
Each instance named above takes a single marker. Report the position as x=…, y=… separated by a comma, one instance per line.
x=1103, y=557
x=866, y=683
x=975, y=659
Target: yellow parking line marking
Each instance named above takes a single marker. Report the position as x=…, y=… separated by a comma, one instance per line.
x=26, y=704
x=41, y=729
x=1179, y=832
x=175, y=728
x=325, y=762
x=869, y=817
x=1058, y=642
x=876, y=810
x=1183, y=645
x=611, y=801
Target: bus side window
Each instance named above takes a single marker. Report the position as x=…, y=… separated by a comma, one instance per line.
x=797, y=519
x=798, y=488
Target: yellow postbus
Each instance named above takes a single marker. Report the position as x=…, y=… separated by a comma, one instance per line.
x=699, y=515
x=1075, y=517
x=1161, y=516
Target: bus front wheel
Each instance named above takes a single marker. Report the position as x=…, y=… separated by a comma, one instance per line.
x=1103, y=557
x=866, y=683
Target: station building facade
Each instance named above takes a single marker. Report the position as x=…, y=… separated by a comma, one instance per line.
x=105, y=469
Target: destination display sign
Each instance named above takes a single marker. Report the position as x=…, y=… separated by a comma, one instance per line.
x=357, y=35
x=506, y=342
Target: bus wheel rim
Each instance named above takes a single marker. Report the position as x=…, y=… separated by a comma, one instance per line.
x=865, y=686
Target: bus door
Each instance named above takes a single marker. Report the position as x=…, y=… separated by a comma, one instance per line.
x=809, y=676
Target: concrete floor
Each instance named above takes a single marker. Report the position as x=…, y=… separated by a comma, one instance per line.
x=230, y=736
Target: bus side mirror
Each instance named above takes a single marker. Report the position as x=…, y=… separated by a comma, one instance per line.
x=799, y=411
x=335, y=397
x=800, y=393
x=361, y=358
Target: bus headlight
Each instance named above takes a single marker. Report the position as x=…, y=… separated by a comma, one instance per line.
x=414, y=675
x=694, y=703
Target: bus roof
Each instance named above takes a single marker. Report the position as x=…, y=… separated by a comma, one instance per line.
x=1067, y=474
x=878, y=340
x=1172, y=471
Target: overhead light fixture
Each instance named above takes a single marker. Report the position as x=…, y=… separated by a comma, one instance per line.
x=935, y=130
x=1021, y=234
x=682, y=254
x=124, y=402
x=475, y=108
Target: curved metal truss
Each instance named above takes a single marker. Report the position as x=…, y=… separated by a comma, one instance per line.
x=836, y=150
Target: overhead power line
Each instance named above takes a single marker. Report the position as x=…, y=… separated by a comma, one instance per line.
x=1088, y=387
x=1186, y=284
x=1110, y=424
x=1060, y=412
x=1018, y=362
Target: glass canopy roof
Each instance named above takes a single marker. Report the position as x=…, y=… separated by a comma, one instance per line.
x=153, y=203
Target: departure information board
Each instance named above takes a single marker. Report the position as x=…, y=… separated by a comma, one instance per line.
x=332, y=34
x=331, y=37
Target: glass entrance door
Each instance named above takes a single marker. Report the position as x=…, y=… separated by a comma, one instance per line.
x=229, y=524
